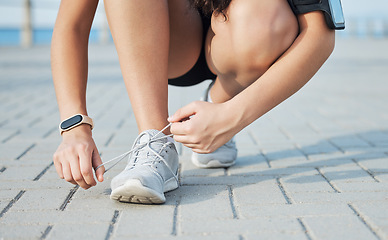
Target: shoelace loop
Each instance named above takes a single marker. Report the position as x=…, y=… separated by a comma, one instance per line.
x=119, y=158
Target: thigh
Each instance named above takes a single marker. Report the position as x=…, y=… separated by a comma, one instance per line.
x=200, y=71
x=185, y=37
x=255, y=33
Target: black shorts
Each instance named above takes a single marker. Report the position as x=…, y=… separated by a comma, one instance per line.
x=200, y=71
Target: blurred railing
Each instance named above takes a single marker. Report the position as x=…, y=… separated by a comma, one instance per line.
x=26, y=34
x=365, y=27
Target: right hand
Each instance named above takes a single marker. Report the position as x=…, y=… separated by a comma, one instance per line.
x=77, y=156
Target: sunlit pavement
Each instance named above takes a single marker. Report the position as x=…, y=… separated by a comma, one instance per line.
x=315, y=167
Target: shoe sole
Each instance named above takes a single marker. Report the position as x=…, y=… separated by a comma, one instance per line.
x=212, y=164
x=133, y=191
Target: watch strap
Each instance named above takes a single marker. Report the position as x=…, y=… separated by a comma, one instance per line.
x=75, y=121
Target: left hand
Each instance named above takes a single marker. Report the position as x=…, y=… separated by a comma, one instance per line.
x=203, y=126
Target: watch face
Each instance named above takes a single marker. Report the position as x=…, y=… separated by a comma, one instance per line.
x=71, y=122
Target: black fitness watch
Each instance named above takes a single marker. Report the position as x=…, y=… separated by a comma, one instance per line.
x=74, y=121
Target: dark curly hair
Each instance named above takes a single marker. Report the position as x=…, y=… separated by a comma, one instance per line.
x=209, y=7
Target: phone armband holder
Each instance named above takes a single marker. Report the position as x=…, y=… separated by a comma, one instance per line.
x=332, y=10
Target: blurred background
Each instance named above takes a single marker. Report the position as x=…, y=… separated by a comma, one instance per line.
x=30, y=22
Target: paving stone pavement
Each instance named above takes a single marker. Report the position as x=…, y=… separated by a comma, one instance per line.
x=315, y=167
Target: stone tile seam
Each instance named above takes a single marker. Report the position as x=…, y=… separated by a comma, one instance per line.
x=286, y=196
x=103, y=109
x=26, y=151
x=366, y=170
x=34, y=122
x=121, y=123
x=232, y=202
x=298, y=147
x=21, y=114
x=175, y=218
x=312, y=127
x=68, y=198
x=49, y=132
x=255, y=142
x=11, y=136
x=253, y=138
x=46, y=232
x=306, y=229
x=335, y=188
x=336, y=146
x=363, y=218
x=226, y=172
x=11, y=203
x=4, y=122
x=112, y=224
x=255, y=174
x=109, y=140
x=366, y=140
x=284, y=132
x=43, y=172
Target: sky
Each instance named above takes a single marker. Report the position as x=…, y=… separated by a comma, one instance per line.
x=45, y=11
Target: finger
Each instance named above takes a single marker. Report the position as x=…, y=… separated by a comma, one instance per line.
x=67, y=173
x=186, y=140
x=180, y=138
x=178, y=129
x=184, y=112
x=182, y=128
x=198, y=150
x=85, y=162
x=76, y=173
x=58, y=168
x=97, y=162
x=191, y=145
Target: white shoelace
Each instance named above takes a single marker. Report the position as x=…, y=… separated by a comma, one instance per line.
x=118, y=159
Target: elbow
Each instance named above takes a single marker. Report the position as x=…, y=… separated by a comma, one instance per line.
x=326, y=41
x=313, y=26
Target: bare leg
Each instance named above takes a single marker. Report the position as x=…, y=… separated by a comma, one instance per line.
x=255, y=34
x=141, y=32
x=185, y=37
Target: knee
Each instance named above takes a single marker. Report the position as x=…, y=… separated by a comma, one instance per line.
x=259, y=32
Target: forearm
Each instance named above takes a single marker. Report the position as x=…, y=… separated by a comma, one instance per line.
x=77, y=155
x=69, y=55
x=285, y=77
x=69, y=63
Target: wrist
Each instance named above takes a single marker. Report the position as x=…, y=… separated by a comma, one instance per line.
x=72, y=105
x=234, y=116
x=77, y=132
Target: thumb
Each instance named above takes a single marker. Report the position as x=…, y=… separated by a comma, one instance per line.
x=184, y=113
x=97, y=162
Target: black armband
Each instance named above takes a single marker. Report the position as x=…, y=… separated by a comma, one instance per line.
x=332, y=10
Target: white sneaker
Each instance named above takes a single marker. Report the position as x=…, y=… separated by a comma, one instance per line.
x=224, y=156
x=151, y=170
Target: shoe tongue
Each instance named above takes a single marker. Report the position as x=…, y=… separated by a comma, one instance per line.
x=149, y=134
